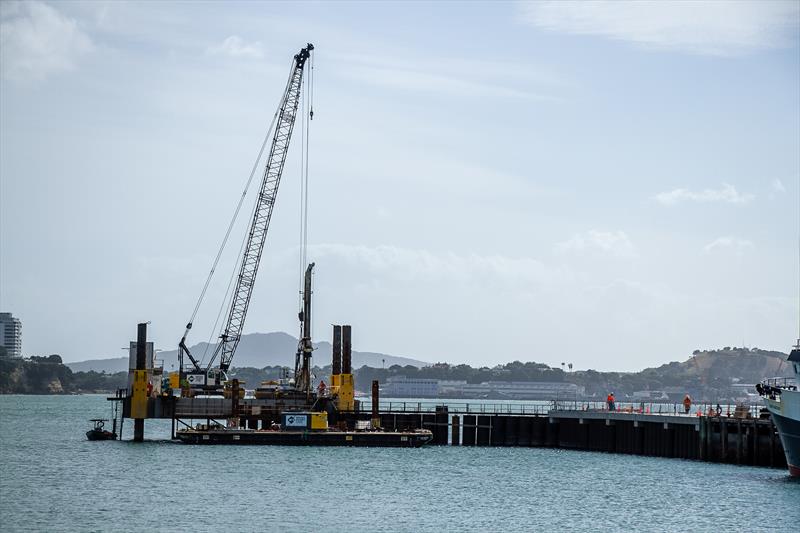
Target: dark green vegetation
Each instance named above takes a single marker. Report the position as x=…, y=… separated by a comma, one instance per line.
x=710, y=375
x=47, y=375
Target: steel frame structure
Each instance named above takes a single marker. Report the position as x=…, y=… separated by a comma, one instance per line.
x=262, y=214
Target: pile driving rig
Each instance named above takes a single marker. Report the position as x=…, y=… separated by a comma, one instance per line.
x=211, y=379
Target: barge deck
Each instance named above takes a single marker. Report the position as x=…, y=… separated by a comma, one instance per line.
x=383, y=439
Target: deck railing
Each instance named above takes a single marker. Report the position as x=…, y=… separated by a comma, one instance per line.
x=544, y=408
x=781, y=383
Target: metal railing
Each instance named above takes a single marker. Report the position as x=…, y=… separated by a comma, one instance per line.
x=781, y=383
x=543, y=408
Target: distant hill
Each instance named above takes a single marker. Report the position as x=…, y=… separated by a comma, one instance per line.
x=109, y=366
x=37, y=375
x=257, y=350
x=738, y=365
x=723, y=375
x=706, y=374
x=715, y=375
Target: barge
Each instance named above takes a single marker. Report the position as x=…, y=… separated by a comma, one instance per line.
x=305, y=429
x=383, y=439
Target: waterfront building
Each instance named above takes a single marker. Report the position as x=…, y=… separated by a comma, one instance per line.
x=523, y=390
x=11, y=335
x=450, y=387
x=650, y=396
x=403, y=387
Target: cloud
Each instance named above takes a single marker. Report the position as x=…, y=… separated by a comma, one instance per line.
x=739, y=246
x=698, y=27
x=36, y=40
x=727, y=194
x=611, y=242
x=473, y=78
x=234, y=46
x=423, y=265
x=777, y=186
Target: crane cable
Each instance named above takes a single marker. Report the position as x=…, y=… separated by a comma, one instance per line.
x=305, y=126
x=226, y=300
x=310, y=95
x=302, y=195
x=232, y=222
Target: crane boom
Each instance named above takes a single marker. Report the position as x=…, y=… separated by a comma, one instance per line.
x=262, y=213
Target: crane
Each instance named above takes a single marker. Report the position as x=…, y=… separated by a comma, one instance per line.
x=214, y=378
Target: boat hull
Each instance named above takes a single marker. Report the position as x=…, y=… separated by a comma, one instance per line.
x=308, y=438
x=785, y=413
x=94, y=434
x=789, y=432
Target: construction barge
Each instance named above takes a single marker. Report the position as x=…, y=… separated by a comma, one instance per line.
x=383, y=439
x=334, y=418
x=203, y=393
x=282, y=414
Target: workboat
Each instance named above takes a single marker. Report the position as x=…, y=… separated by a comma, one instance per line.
x=98, y=432
x=783, y=401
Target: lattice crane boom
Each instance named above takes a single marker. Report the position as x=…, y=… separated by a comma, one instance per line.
x=259, y=225
x=263, y=212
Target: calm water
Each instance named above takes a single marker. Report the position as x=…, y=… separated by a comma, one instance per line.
x=52, y=478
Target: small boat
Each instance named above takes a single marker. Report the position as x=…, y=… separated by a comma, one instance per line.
x=98, y=433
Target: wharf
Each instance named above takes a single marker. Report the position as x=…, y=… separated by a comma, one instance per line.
x=719, y=439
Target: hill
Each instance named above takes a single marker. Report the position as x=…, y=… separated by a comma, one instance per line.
x=256, y=350
x=109, y=366
x=710, y=375
x=706, y=374
x=48, y=375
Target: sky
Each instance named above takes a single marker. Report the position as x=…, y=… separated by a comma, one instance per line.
x=610, y=184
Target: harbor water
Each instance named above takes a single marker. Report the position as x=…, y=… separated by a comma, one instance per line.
x=53, y=479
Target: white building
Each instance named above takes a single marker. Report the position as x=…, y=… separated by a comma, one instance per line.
x=11, y=335
x=650, y=395
x=449, y=387
x=524, y=390
x=403, y=387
